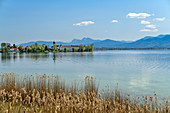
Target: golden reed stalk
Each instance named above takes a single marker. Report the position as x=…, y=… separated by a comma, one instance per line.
x=50, y=94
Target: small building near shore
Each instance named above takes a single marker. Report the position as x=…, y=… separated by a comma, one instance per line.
x=14, y=50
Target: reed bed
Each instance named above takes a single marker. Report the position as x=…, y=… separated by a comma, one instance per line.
x=50, y=94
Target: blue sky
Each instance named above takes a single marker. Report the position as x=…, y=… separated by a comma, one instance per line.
x=64, y=20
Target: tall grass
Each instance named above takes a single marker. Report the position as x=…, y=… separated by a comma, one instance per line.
x=50, y=94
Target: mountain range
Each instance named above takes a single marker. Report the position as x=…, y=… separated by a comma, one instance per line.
x=160, y=41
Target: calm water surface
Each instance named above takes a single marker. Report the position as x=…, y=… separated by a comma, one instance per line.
x=137, y=72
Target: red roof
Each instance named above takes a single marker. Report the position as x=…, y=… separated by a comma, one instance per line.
x=14, y=48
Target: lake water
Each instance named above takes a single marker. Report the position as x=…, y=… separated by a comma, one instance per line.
x=139, y=72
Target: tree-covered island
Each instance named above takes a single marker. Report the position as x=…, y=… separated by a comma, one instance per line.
x=36, y=48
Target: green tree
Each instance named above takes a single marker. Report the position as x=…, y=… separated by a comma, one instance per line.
x=3, y=44
x=21, y=48
x=36, y=44
x=87, y=48
x=46, y=48
x=8, y=49
x=38, y=48
x=73, y=49
x=15, y=46
x=33, y=48
x=3, y=49
x=60, y=50
x=55, y=47
x=81, y=48
x=91, y=47
x=28, y=49
x=43, y=48
x=65, y=49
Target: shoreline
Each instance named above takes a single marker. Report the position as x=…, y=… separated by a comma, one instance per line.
x=95, y=49
x=131, y=49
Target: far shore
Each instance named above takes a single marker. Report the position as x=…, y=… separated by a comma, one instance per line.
x=131, y=49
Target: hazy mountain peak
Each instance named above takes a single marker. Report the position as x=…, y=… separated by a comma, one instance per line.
x=86, y=38
x=147, y=37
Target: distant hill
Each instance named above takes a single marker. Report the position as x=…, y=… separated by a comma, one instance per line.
x=108, y=44
x=50, y=43
x=161, y=41
x=84, y=41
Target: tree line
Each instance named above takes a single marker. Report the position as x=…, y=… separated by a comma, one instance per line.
x=34, y=48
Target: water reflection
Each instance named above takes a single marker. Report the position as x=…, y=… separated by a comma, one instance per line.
x=5, y=57
x=9, y=56
x=37, y=56
x=42, y=56
x=54, y=57
x=21, y=56
x=15, y=56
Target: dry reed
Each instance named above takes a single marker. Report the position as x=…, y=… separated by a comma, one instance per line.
x=50, y=94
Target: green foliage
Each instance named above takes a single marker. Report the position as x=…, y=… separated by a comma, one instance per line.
x=55, y=47
x=91, y=47
x=21, y=48
x=73, y=49
x=3, y=49
x=38, y=48
x=87, y=48
x=42, y=48
x=36, y=44
x=8, y=49
x=46, y=48
x=65, y=49
x=14, y=46
x=3, y=44
x=81, y=48
x=28, y=49
x=59, y=50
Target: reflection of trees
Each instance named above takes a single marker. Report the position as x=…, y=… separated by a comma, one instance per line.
x=49, y=56
x=21, y=55
x=5, y=56
x=15, y=55
x=54, y=57
x=36, y=56
x=45, y=55
x=8, y=57
x=86, y=54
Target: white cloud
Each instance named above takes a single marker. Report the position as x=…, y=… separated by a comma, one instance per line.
x=138, y=15
x=149, y=30
x=160, y=19
x=115, y=21
x=155, y=30
x=144, y=22
x=84, y=23
x=145, y=30
x=151, y=26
